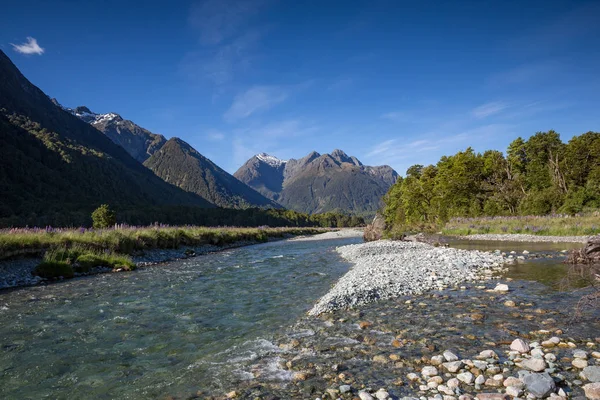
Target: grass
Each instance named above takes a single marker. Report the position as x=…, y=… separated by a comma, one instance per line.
x=127, y=240
x=552, y=225
x=70, y=251
x=66, y=262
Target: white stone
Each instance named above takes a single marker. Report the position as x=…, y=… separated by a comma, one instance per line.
x=480, y=380
x=513, y=391
x=365, y=395
x=465, y=377
x=429, y=371
x=453, y=383
x=519, y=345
x=450, y=356
x=501, y=287
x=453, y=366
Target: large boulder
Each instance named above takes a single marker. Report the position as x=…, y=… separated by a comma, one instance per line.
x=374, y=231
x=589, y=254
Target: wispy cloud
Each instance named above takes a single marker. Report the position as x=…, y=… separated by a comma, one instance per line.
x=214, y=135
x=220, y=64
x=219, y=20
x=254, y=100
x=526, y=74
x=428, y=148
x=272, y=138
x=228, y=37
x=488, y=109
x=396, y=116
x=31, y=47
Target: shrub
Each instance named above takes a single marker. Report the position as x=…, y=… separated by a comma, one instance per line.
x=104, y=217
x=54, y=269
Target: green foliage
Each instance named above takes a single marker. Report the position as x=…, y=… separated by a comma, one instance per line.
x=54, y=269
x=103, y=217
x=90, y=260
x=539, y=176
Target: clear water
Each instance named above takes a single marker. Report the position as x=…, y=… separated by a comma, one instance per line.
x=171, y=330
x=545, y=263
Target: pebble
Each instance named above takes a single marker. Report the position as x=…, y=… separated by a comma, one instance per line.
x=534, y=364
x=579, y=363
x=450, y=356
x=480, y=380
x=513, y=391
x=365, y=395
x=592, y=391
x=580, y=354
x=385, y=269
x=465, y=377
x=540, y=385
x=453, y=366
x=519, y=345
x=345, y=388
x=382, y=394
x=501, y=287
x=591, y=373
x=429, y=371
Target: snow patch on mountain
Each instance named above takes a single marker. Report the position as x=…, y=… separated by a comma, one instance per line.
x=271, y=160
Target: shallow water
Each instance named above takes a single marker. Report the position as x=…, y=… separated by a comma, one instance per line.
x=213, y=323
x=173, y=329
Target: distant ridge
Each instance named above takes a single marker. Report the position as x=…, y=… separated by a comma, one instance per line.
x=140, y=143
x=174, y=161
x=180, y=164
x=53, y=164
x=319, y=183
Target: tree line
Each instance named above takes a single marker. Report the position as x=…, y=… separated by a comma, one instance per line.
x=538, y=176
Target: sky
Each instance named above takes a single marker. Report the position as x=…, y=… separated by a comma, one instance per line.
x=390, y=82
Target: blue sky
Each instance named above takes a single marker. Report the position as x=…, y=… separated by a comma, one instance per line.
x=391, y=82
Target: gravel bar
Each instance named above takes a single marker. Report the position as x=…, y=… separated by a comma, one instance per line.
x=518, y=237
x=384, y=269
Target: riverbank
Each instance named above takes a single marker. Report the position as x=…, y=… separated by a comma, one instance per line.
x=520, y=237
x=339, y=234
x=385, y=269
x=548, y=225
x=455, y=344
x=491, y=340
x=146, y=246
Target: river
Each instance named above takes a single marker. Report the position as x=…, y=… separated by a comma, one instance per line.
x=183, y=328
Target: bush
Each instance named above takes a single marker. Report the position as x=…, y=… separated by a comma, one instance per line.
x=104, y=217
x=54, y=269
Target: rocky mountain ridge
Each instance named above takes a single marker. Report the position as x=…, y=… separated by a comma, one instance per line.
x=319, y=182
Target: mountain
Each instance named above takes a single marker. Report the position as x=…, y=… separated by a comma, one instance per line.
x=174, y=161
x=180, y=164
x=319, y=183
x=55, y=167
x=140, y=143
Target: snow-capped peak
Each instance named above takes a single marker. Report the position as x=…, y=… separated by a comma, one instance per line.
x=105, y=117
x=271, y=160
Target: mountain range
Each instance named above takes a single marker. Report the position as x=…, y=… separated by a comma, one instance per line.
x=51, y=161
x=174, y=161
x=319, y=183
x=56, y=161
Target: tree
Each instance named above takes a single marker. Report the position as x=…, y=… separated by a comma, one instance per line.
x=103, y=217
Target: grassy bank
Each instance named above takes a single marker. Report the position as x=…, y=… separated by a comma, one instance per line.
x=70, y=251
x=127, y=240
x=551, y=225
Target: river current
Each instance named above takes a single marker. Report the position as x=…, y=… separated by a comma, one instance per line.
x=195, y=326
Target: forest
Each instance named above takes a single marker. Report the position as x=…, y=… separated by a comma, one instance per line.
x=539, y=176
